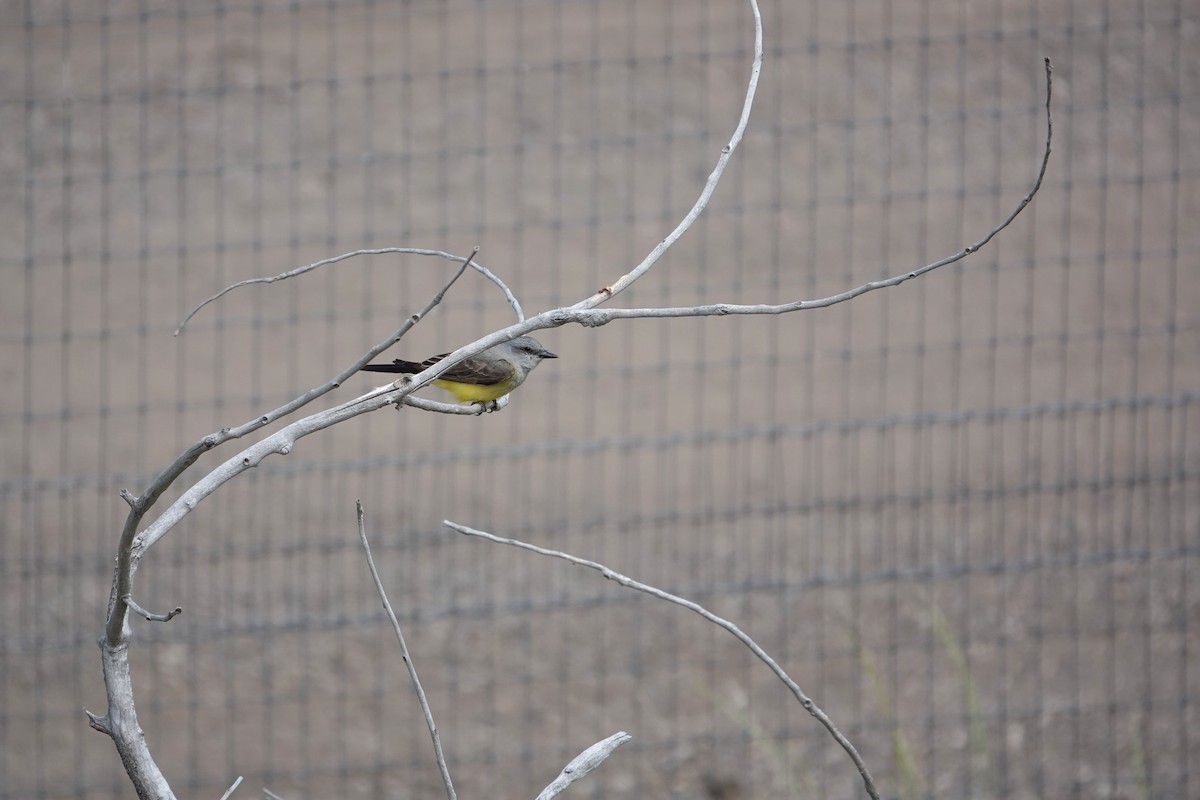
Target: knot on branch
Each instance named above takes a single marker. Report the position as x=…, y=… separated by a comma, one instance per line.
x=595, y=319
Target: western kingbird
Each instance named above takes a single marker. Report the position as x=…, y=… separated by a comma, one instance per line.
x=488, y=376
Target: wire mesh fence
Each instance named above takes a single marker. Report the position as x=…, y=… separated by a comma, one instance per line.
x=963, y=513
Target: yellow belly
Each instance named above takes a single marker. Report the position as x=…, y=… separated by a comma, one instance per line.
x=474, y=392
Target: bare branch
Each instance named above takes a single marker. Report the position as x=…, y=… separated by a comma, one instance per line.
x=584, y=763
x=120, y=722
x=121, y=725
x=150, y=615
x=414, y=251
x=117, y=623
x=607, y=292
x=232, y=789
x=710, y=186
x=595, y=318
x=412, y=669
x=271, y=794
x=584, y=313
x=762, y=655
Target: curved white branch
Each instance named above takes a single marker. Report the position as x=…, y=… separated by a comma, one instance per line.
x=584, y=763
x=117, y=627
x=378, y=251
x=282, y=442
x=232, y=788
x=762, y=655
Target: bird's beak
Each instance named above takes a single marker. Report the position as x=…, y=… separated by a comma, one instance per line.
x=548, y=354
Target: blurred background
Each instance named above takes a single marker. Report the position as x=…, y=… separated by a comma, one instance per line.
x=963, y=513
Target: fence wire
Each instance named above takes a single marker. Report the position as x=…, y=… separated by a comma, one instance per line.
x=963, y=513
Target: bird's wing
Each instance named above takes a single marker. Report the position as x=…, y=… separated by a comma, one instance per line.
x=476, y=370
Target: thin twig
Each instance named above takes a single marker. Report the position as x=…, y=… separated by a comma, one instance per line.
x=414, y=251
x=412, y=669
x=150, y=615
x=584, y=763
x=762, y=655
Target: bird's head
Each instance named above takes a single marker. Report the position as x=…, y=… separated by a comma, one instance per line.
x=528, y=351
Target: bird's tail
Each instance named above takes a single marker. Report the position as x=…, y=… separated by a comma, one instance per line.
x=398, y=366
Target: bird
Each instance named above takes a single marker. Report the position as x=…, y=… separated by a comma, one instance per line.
x=481, y=378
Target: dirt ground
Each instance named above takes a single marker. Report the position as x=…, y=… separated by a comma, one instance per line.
x=962, y=513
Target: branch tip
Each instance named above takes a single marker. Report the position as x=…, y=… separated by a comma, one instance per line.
x=470, y=258
x=98, y=723
x=232, y=789
x=150, y=615
x=584, y=763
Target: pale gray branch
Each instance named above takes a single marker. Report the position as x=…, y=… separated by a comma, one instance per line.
x=710, y=186
x=121, y=725
x=585, y=314
x=762, y=655
x=469, y=410
x=584, y=763
x=408, y=662
x=150, y=615
x=595, y=318
x=116, y=628
x=414, y=251
x=120, y=722
x=232, y=789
